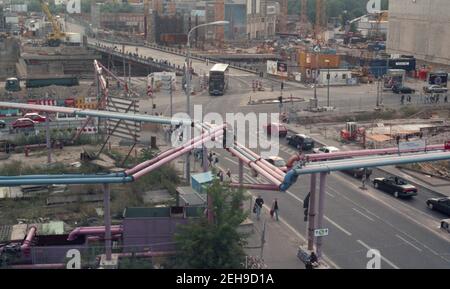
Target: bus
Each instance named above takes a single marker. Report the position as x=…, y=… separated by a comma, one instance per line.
x=218, y=79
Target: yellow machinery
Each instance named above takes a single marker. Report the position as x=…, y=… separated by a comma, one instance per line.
x=54, y=38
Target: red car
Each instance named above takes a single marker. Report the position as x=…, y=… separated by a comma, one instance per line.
x=36, y=117
x=23, y=123
x=276, y=128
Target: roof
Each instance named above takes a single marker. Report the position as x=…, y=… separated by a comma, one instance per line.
x=219, y=67
x=202, y=178
x=159, y=212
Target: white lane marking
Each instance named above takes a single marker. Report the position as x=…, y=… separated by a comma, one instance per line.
x=232, y=161
x=408, y=242
x=362, y=214
x=248, y=179
x=325, y=217
x=329, y=194
x=382, y=258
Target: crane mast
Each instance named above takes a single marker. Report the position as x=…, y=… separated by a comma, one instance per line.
x=54, y=38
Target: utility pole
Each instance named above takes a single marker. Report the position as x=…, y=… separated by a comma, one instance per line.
x=171, y=96
x=47, y=135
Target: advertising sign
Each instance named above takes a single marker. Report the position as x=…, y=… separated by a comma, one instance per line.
x=272, y=67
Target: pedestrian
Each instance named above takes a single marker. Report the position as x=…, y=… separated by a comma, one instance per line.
x=210, y=158
x=313, y=259
x=216, y=160
x=259, y=202
x=403, y=99
x=446, y=98
x=274, y=210
x=228, y=174
x=220, y=176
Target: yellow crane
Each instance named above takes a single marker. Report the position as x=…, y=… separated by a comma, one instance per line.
x=55, y=37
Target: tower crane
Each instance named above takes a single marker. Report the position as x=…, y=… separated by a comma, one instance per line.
x=55, y=37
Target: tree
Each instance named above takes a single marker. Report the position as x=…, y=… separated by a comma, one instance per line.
x=217, y=245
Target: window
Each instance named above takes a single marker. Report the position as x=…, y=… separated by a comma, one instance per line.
x=344, y=76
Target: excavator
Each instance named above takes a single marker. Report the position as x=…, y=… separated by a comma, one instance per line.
x=54, y=38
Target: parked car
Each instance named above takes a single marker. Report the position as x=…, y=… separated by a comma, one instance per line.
x=359, y=173
x=435, y=89
x=277, y=161
x=397, y=187
x=2, y=123
x=402, y=89
x=445, y=225
x=442, y=205
x=326, y=150
x=301, y=141
x=276, y=128
x=36, y=117
x=23, y=123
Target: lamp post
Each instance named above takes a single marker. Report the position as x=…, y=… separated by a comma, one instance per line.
x=188, y=84
x=327, y=61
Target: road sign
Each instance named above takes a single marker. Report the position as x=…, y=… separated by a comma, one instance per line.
x=320, y=232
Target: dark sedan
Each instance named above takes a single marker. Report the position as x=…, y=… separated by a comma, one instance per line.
x=395, y=186
x=442, y=205
x=359, y=173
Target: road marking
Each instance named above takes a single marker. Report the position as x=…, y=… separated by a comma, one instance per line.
x=383, y=258
x=232, y=161
x=325, y=217
x=362, y=214
x=409, y=243
x=330, y=194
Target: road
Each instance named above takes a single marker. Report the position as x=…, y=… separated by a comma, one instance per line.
x=404, y=232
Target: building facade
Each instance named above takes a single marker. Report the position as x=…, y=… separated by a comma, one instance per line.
x=420, y=28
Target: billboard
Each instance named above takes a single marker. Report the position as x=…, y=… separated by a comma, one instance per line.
x=277, y=68
x=438, y=78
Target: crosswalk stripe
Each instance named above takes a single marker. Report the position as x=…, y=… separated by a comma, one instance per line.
x=249, y=179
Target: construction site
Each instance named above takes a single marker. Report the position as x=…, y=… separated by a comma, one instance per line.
x=91, y=150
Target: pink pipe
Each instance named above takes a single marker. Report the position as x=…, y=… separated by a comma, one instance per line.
x=39, y=266
x=272, y=167
x=93, y=231
x=295, y=158
x=99, y=238
x=169, y=152
x=27, y=243
x=256, y=187
x=255, y=167
x=359, y=153
x=154, y=166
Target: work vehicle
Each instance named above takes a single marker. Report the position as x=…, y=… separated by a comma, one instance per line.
x=12, y=84
x=359, y=173
x=435, y=89
x=218, y=79
x=402, y=89
x=276, y=129
x=36, y=117
x=277, y=161
x=440, y=204
x=301, y=141
x=397, y=187
x=55, y=37
x=23, y=123
x=326, y=150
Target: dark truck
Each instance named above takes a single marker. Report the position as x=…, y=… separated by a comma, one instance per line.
x=395, y=186
x=42, y=82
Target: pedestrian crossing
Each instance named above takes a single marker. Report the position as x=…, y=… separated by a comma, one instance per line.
x=249, y=179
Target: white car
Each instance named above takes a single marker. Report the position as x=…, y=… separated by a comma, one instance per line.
x=326, y=150
x=277, y=161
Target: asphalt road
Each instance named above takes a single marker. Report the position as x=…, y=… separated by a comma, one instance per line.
x=404, y=231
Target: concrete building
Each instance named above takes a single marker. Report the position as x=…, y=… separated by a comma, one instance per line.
x=420, y=28
x=261, y=19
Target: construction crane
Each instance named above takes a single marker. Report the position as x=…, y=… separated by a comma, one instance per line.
x=303, y=18
x=320, y=17
x=55, y=37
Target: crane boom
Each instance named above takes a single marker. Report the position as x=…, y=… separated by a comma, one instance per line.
x=54, y=38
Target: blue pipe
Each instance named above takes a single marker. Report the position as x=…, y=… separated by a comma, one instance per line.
x=121, y=174
x=67, y=181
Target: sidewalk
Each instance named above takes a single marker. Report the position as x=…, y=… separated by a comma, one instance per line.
x=417, y=179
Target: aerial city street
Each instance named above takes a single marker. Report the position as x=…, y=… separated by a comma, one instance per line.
x=224, y=134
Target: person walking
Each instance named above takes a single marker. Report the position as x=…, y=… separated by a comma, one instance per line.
x=403, y=99
x=228, y=175
x=220, y=176
x=446, y=98
x=259, y=202
x=275, y=209
x=210, y=159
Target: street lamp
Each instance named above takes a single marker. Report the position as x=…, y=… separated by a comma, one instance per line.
x=327, y=61
x=188, y=82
